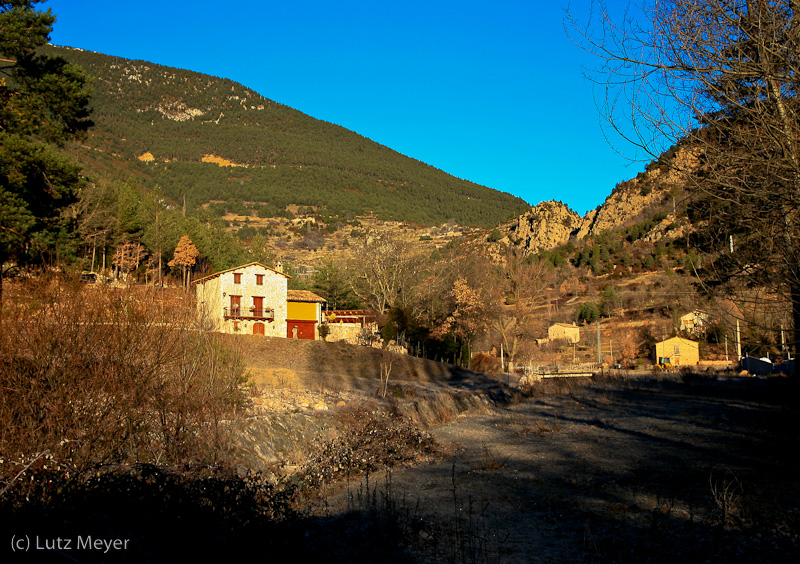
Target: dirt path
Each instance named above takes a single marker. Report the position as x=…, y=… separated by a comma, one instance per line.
x=632, y=472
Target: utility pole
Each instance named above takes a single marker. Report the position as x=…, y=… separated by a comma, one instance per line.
x=738, y=343
x=599, y=345
x=783, y=342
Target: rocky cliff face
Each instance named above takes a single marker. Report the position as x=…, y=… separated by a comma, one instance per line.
x=649, y=190
x=628, y=200
x=546, y=225
x=550, y=224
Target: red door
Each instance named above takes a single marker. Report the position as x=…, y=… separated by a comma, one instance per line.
x=300, y=329
x=258, y=328
x=258, y=306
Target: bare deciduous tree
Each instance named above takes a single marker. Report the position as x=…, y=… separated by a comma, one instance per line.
x=721, y=78
x=522, y=288
x=384, y=269
x=387, y=360
x=128, y=256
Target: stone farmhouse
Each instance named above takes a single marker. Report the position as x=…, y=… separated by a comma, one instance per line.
x=254, y=299
x=350, y=325
x=565, y=331
x=695, y=322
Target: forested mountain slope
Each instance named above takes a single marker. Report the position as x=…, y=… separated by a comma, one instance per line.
x=157, y=124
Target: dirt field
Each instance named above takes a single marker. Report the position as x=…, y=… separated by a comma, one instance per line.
x=640, y=471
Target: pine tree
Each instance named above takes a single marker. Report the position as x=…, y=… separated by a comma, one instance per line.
x=42, y=103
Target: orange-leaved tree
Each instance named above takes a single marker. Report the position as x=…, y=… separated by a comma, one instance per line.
x=185, y=256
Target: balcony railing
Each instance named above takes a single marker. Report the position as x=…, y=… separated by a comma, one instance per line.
x=248, y=313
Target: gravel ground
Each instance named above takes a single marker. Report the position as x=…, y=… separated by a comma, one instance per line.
x=628, y=471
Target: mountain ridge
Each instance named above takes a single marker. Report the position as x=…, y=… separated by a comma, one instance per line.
x=178, y=116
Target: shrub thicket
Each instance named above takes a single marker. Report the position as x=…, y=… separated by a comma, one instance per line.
x=95, y=376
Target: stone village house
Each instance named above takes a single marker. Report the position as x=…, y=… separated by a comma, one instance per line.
x=568, y=332
x=254, y=299
x=695, y=322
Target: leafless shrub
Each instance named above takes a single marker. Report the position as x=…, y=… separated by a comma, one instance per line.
x=94, y=376
x=486, y=363
x=387, y=360
x=371, y=439
x=727, y=493
x=489, y=460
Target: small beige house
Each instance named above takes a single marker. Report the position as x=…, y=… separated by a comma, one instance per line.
x=248, y=299
x=567, y=332
x=678, y=352
x=349, y=325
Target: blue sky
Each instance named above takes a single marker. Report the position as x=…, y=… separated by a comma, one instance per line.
x=490, y=91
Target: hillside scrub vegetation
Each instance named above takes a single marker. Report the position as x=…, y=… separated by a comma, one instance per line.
x=179, y=117
x=95, y=376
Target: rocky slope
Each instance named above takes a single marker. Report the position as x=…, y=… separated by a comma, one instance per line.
x=658, y=189
x=546, y=225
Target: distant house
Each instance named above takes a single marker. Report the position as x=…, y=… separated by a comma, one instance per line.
x=564, y=331
x=678, y=352
x=248, y=299
x=303, y=314
x=695, y=322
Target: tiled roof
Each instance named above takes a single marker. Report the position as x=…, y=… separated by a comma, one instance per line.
x=210, y=276
x=303, y=296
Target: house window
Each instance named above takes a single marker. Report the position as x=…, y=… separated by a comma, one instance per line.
x=237, y=278
x=236, y=304
x=677, y=350
x=259, y=279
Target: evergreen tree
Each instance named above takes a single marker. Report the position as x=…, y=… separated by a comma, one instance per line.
x=42, y=102
x=332, y=282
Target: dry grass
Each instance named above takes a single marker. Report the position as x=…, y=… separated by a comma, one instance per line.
x=94, y=376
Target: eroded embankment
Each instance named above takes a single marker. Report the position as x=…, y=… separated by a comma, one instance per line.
x=286, y=438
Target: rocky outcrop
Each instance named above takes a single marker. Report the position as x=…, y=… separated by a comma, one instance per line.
x=627, y=201
x=545, y=226
x=671, y=227
x=649, y=190
x=550, y=224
